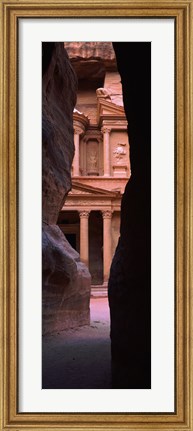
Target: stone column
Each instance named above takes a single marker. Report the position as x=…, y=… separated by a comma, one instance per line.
x=107, y=244
x=106, y=150
x=76, y=160
x=84, y=238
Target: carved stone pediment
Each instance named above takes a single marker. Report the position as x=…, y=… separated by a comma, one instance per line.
x=107, y=110
x=79, y=189
x=79, y=192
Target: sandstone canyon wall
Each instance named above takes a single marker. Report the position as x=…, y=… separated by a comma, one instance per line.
x=130, y=276
x=65, y=280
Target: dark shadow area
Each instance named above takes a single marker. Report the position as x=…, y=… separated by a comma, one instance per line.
x=96, y=247
x=130, y=276
x=47, y=51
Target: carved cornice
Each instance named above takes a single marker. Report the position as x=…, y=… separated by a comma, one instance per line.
x=92, y=137
x=93, y=133
x=80, y=122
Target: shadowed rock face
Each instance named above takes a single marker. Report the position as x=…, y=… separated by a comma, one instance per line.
x=58, y=100
x=90, y=60
x=65, y=280
x=130, y=275
x=91, y=50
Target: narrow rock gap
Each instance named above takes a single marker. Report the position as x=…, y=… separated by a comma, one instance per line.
x=66, y=280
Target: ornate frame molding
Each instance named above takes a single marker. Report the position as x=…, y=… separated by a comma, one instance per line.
x=11, y=11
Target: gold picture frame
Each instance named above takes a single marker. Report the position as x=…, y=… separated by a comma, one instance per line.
x=181, y=11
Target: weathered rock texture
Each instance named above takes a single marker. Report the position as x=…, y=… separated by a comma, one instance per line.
x=58, y=99
x=130, y=276
x=65, y=280
x=91, y=59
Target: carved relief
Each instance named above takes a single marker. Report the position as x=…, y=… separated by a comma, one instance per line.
x=93, y=134
x=71, y=203
x=76, y=202
x=107, y=214
x=84, y=214
x=103, y=92
x=106, y=129
x=92, y=158
x=79, y=192
x=119, y=151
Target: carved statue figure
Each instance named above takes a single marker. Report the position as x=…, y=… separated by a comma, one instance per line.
x=103, y=92
x=93, y=160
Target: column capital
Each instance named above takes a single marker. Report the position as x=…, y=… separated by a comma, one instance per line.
x=105, y=129
x=77, y=131
x=107, y=214
x=84, y=214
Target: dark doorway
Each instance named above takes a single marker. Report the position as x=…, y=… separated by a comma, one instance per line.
x=96, y=247
x=71, y=238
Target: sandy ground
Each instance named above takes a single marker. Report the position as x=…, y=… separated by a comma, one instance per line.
x=79, y=358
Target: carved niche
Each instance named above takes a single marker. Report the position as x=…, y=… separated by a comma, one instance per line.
x=91, y=154
x=92, y=157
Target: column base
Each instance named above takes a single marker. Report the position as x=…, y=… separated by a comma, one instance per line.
x=99, y=291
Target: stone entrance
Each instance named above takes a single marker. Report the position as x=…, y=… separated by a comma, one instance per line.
x=96, y=247
x=94, y=234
